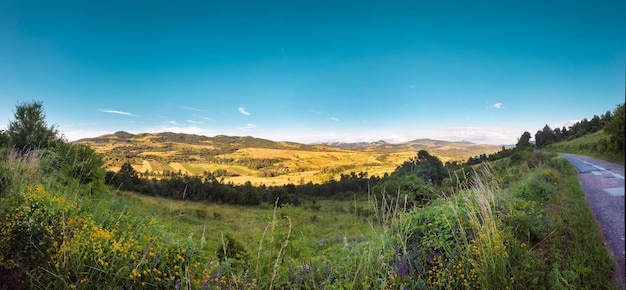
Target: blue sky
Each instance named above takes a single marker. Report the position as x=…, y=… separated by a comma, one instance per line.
x=312, y=71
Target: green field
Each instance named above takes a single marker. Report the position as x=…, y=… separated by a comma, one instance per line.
x=312, y=223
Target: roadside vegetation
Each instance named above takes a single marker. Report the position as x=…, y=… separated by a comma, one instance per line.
x=601, y=137
x=518, y=222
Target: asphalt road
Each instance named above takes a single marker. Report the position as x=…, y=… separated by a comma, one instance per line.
x=603, y=184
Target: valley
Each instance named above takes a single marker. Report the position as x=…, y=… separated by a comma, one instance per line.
x=239, y=160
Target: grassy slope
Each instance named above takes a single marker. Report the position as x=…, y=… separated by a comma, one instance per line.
x=587, y=145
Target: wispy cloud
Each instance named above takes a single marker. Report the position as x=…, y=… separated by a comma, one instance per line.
x=243, y=111
x=118, y=112
x=479, y=135
x=194, y=122
x=334, y=119
x=314, y=111
x=248, y=127
x=411, y=86
x=497, y=106
x=172, y=122
x=192, y=109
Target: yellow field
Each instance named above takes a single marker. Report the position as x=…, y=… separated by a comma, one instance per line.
x=156, y=154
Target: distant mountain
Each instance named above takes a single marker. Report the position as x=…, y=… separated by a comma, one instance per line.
x=223, y=143
x=355, y=144
x=219, y=141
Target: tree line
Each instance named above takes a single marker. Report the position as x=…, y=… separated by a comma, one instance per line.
x=612, y=123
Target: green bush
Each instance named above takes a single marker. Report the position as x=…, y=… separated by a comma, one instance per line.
x=540, y=186
x=232, y=249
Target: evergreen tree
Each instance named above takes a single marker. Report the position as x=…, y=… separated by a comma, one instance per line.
x=524, y=142
x=29, y=129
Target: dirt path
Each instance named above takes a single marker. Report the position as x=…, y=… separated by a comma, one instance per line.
x=603, y=184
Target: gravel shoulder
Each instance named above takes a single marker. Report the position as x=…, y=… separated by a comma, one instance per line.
x=603, y=185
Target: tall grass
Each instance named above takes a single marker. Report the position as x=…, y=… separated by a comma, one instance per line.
x=511, y=226
x=479, y=234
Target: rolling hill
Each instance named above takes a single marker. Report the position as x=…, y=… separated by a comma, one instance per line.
x=262, y=161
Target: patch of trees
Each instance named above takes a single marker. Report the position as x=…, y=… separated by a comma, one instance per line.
x=257, y=163
x=425, y=166
x=612, y=123
x=503, y=153
x=209, y=188
x=547, y=135
x=334, y=170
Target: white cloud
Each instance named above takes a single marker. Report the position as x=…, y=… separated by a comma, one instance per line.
x=194, y=122
x=192, y=109
x=334, y=119
x=497, y=106
x=479, y=135
x=172, y=122
x=243, y=111
x=411, y=86
x=315, y=111
x=118, y=112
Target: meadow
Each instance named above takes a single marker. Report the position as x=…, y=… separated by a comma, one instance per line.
x=517, y=223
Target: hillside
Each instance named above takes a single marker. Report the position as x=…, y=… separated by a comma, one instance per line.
x=262, y=161
x=594, y=144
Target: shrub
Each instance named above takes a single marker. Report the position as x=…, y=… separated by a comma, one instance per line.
x=232, y=249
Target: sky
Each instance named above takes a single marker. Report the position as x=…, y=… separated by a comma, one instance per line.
x=313, y=71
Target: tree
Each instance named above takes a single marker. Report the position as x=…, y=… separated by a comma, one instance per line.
x=523, y=142
x=29, y=129
x=427, y=167
x=125, y=179
x=606, y=118
x=595, y=124
x=615, y=129
x=546, y=136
